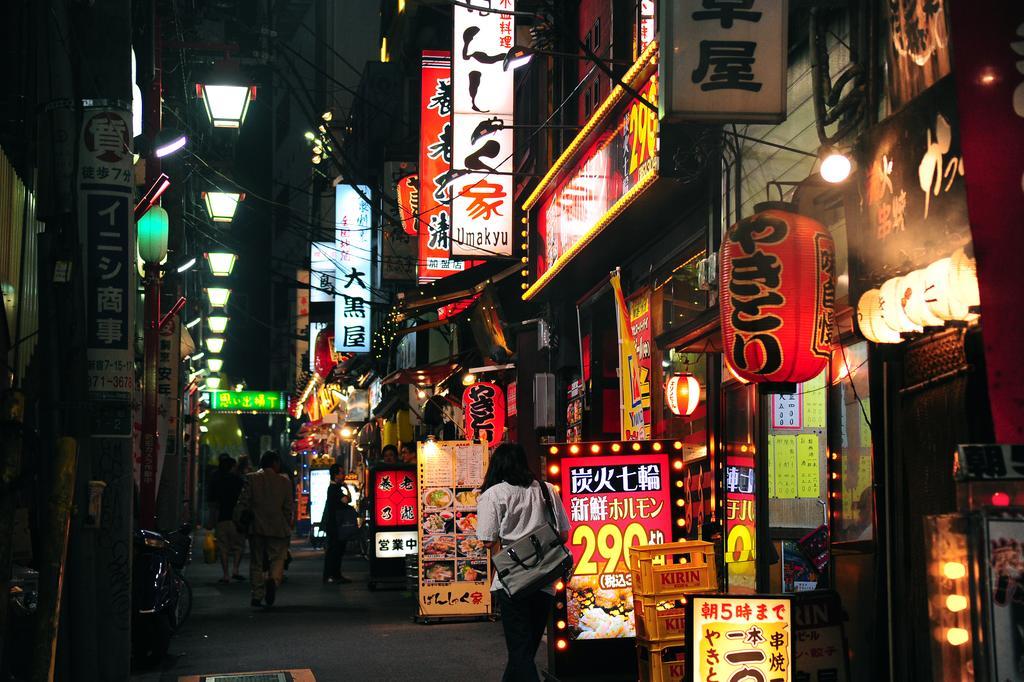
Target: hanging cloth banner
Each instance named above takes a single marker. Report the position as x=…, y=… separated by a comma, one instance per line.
x=633, y=382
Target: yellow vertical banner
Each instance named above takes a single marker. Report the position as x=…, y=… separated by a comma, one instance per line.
x=631, y=378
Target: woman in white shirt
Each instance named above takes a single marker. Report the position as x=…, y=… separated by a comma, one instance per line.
x=510, y=507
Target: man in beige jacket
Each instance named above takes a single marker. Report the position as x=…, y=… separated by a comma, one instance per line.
x=264, y=512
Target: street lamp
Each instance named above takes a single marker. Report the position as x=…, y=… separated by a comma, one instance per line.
x=835, y=166
x=214, y=364
x=226, y=105
x=168, y=141
x=213, y=383
x=218, y=296
x=218, y=323
x=215, y=343
x=222, y=205
x=221, y=263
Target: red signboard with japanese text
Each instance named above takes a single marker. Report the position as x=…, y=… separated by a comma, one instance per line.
x=408, y=191
x=614, y=503
x=483, y=405
x=615, y=163
x=394, y=497
x=988, y=44
x=435, y=165
x=740, y=528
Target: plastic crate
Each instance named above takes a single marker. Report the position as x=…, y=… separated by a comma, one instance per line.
x=674, y=568
x=660, y=619
x=660, y=663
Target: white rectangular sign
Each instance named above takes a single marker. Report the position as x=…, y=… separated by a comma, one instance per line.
x=354, y=269
x=482, y=118
x=727, y=60
x=322, y=256
x=395, y=544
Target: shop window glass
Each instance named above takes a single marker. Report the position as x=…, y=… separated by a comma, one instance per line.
x=679, y=296
x=740, y=470
x=853, y=511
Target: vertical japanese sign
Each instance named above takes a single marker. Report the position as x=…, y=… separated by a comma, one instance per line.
x=483, y=405
x=640, y=328
x=354, y=269
x=168, y=394
x=740, y=528
x=645, y=26
x=105, y=205
x=322, y=257
x=988, y=56
x=394, y=513
x=634, y=384
x=482, y=119
x=454, y=565
x=614, y=503
x=740, y=638
x=408, y=191
x=434, y=223
x=727, y=62
x=302, y=344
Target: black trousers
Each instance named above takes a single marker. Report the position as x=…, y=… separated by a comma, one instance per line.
x=332, y=558
x=524, y=620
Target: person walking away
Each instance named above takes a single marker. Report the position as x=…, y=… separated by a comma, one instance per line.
x=264, y=512
x=226, y=488
x=510, y=507
x=339, y=524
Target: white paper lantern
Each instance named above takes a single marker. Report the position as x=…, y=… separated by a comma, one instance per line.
x=869, y=319
x=963, y=283
x=892, y=298
x=937, y=292
x=915, y=306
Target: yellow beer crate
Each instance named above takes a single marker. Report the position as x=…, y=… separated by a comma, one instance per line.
x=660, y=619
x=673, y=568
x=660, y=662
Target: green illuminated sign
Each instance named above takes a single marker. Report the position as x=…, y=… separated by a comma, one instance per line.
x=248, y=401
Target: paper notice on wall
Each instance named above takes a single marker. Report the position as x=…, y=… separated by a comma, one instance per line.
x=807, y=465
x=814, y=402
x=785, y=467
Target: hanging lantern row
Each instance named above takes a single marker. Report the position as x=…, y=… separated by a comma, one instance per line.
x=777, y=296
x=945, y=291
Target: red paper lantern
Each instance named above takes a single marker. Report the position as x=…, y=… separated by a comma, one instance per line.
x=682, y=394
x=483, y=406
x=324, y=358
x=777, y=295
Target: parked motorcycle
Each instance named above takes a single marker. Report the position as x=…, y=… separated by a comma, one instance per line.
x=161, y=596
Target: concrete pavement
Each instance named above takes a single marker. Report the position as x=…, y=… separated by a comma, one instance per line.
x=341, y=633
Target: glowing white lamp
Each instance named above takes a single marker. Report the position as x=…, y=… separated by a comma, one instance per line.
x=218, y=296
x=215, y=344
x=222, y=205
x=226, y=105
x=217, y=323
x=214, y=364
x=869, y=319
x=221, y=263
x=892, y=299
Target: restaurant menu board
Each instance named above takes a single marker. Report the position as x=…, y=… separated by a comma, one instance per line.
x=614, y=503
x=454, y=565
x=740, y=638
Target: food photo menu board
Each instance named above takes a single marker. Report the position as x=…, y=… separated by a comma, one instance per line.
x=454, y=565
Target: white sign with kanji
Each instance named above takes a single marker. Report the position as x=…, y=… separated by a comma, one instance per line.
x=353, y=280
x=482, y=118
x=395, y=544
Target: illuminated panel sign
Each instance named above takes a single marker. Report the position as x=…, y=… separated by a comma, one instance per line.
x=482, y=140
x=394, y=498
x=319, y=482
x=322, y=272
x=395, y=544
x=434, y=219
x=248, y=401
x=408, y=191
x=608, y=176
x=740, y=638
x=614, y=503
x=354, y=269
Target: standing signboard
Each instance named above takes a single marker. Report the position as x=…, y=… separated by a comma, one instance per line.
x=455, y=573
x=434, y=223
x=731, y=637
x=354, y=269
x=988, y=51
x=483, y=157
x=394, y=521
x=727, y=62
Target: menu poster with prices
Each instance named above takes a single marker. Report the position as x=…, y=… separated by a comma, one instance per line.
x=731, y=637
x=786, y=411
x=454, y=564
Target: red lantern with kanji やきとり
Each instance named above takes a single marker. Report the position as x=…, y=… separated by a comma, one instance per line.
x=682, y=394
x=483, y=405
x=777, y=295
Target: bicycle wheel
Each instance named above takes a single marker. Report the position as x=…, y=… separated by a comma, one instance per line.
x=183, y=608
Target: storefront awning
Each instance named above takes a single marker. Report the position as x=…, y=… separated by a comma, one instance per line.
x=424, y=375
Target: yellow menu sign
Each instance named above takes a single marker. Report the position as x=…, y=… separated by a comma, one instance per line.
x=734, y=637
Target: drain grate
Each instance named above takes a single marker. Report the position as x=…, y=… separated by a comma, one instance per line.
x=254, y=677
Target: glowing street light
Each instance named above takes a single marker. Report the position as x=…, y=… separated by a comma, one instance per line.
x=214, y=364
x=213, y=383
x=218, y=296
x=221, y=263
x=226, y=105
x=835, y=166
x=215, y=344
x=168, y=141
x=222, y=205
x=217, y=323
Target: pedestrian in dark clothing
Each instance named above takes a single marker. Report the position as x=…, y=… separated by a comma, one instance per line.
x=338, y=523
x=225, y=488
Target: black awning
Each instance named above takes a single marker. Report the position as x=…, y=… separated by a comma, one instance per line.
x=396, y=401
x=458, y=286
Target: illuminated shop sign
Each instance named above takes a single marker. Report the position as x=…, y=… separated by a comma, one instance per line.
x=408, y=192
x=482, y=140
x=354, y=274
x=740, y=638
x=394, y=498
x=248, y=401
x=322, y=271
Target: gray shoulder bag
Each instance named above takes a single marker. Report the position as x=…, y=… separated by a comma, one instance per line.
x=534, y=561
